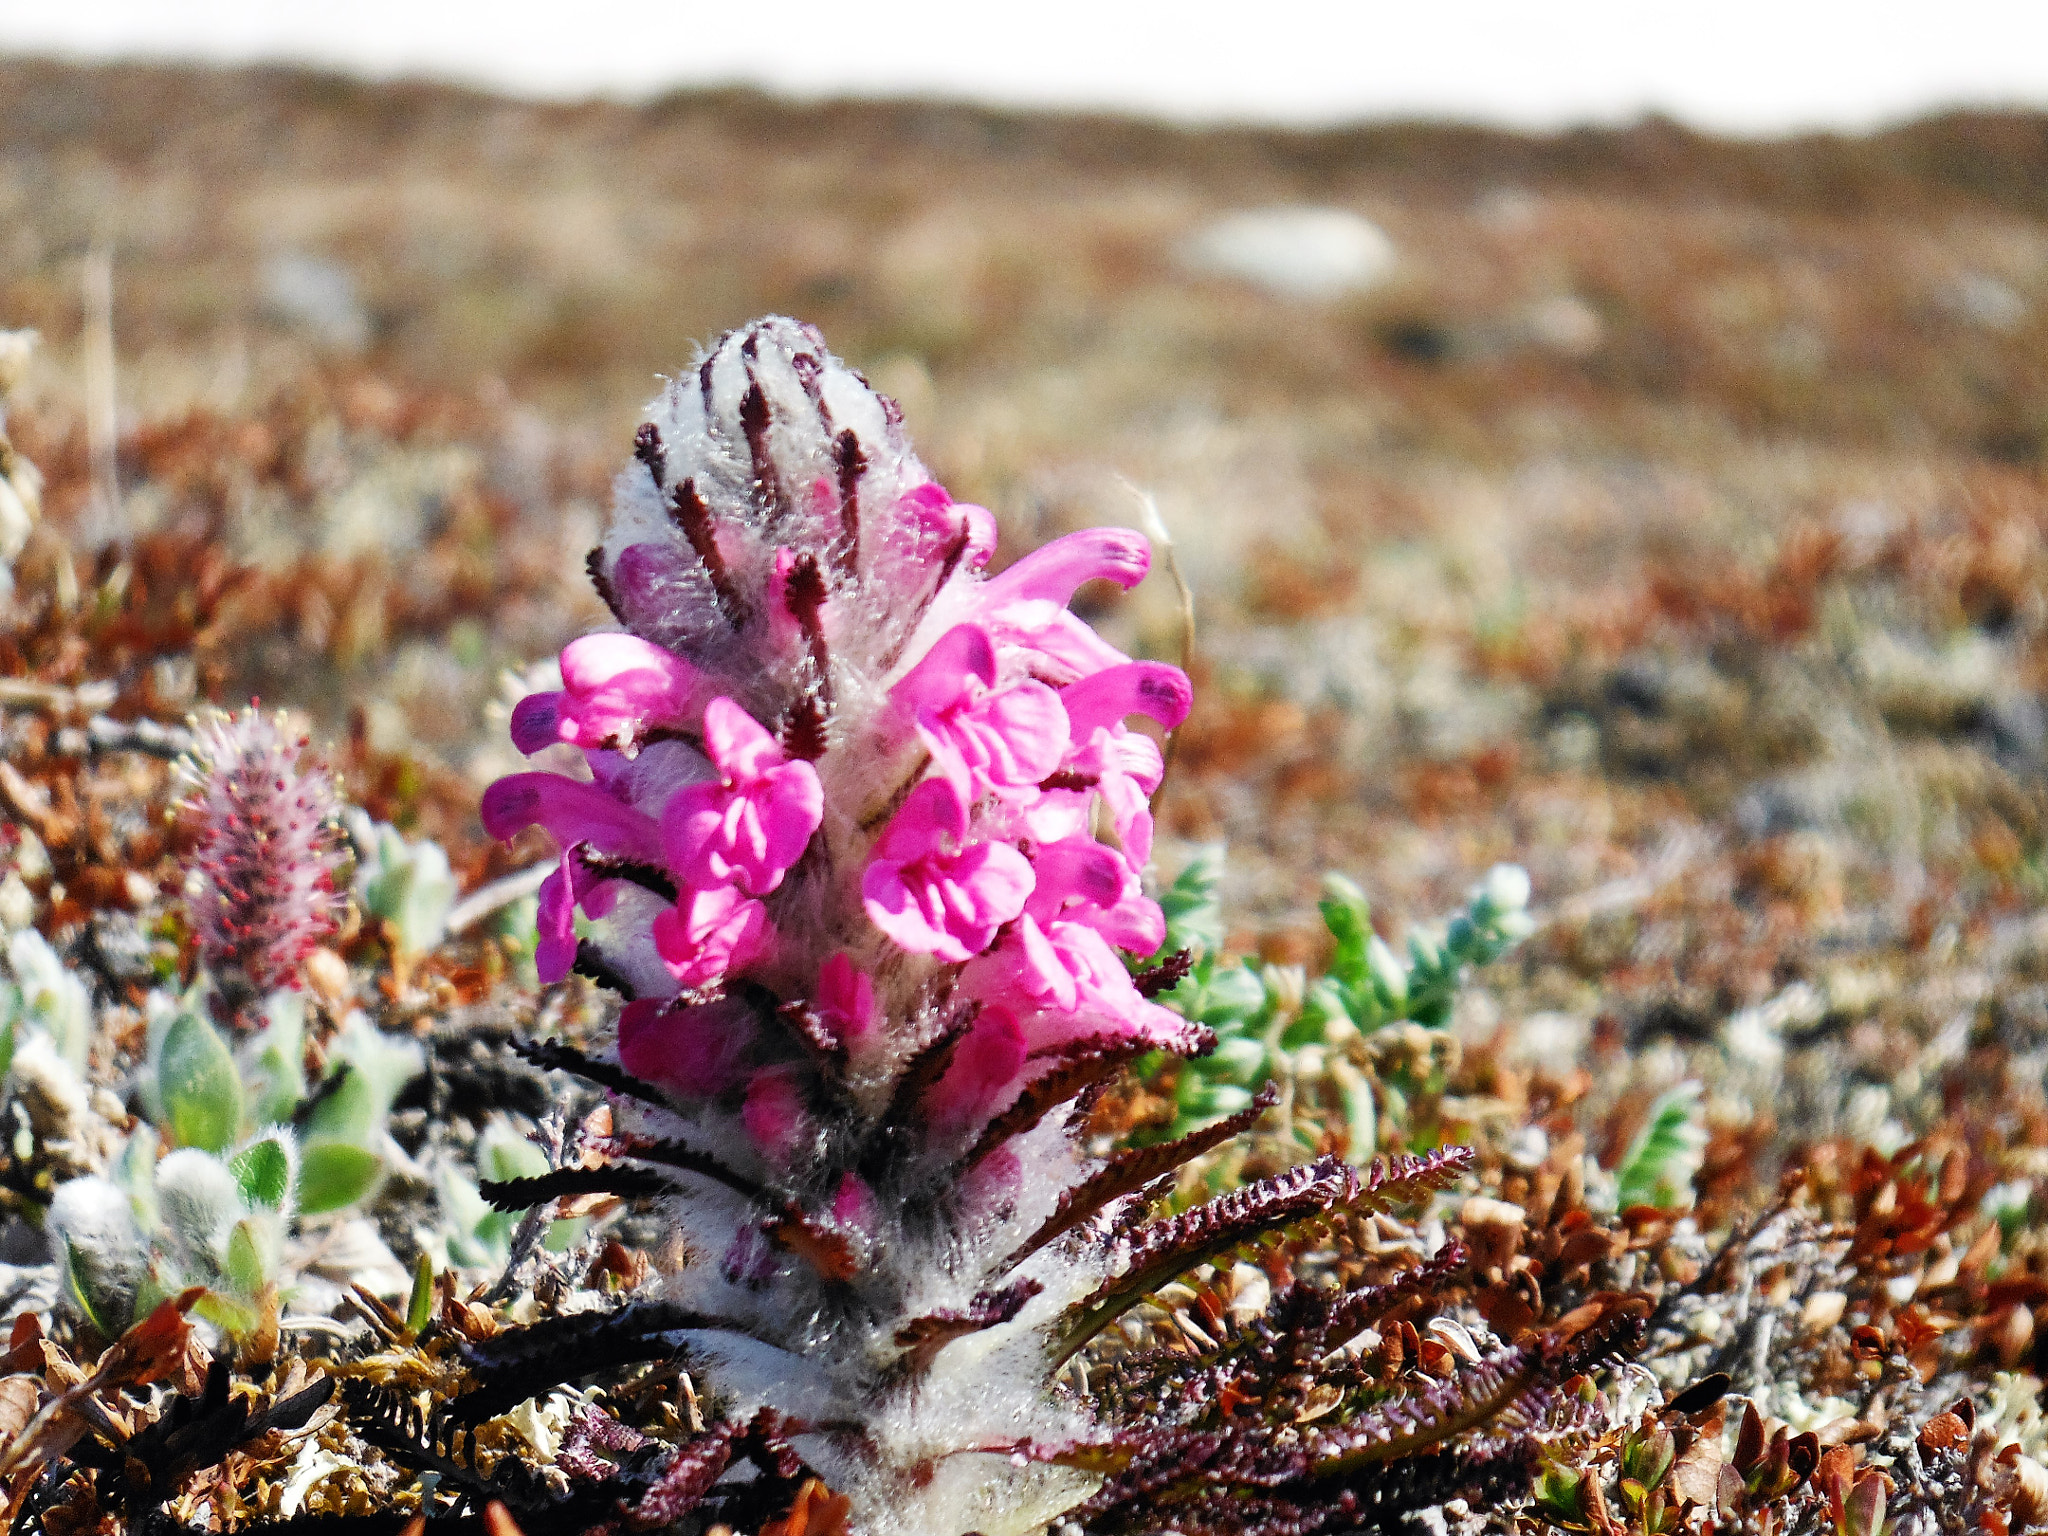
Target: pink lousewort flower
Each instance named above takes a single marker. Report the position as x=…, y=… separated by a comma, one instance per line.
x=836, y=847
x=613, y=688
x=752, y=823
x=985, y=1063
x=694, y=1050
x=981, y=737
x=708, y=933
x=933, y=891
x=845, y=1002
x=571, y=813
x=774, y=1112
x=572, y=885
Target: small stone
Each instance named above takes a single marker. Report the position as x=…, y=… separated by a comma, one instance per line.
x=1822, y=1311
x=1295, y=253
x=17, y=903
x=327, y=974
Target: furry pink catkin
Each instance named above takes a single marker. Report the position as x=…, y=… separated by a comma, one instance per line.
x=267, y=850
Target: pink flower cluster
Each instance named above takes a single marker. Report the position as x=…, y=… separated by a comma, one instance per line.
x=836, y=773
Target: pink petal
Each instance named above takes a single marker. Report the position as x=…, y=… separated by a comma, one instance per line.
x=1039, y=969
x=537, y=721
x=1082, y=881
x=1131, y=815
x=1013, y=738
x=939, y=521
x=649, y=578
x=896, y=905
x=947, y=905
x=984, y=1065
x=626, y=675
x=845, y=999
x=1127, y=768
x=555, y=953
x=571, y=812
x=981, y=534
x=613, y=687
x=940, y=676
x=707, y=933
x=774, y=1112
x=749, y=836
x=693, y=1050
x=931, y=814
x=751, y=1258
x=1054, y=573
x=1059, y=646
x=737, y=743
x=1135, y=688
x=986, y=887
x=854, y=1205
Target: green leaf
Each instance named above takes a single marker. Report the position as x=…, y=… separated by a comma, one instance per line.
x=198, y=1086
x=333, y=1174
x=1348, y=916
x=274, y=1060
x=348, y=1112
x=245, y=1269
x=6, y=1037
x=502, y=1154
x=1659, y=1167
x=419, y=1307
x=105, y=1306
x=379, y=1066
x=263, y=1169
x=1194, y=916
x=411, y=886
x=227, y=1314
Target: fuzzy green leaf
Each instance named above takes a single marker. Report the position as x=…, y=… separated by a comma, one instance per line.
x=263, y=1169
x=333, y=1174
x=198, y=1085
x=245, y=1269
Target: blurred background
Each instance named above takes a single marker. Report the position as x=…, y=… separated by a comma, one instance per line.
x=1594, y=436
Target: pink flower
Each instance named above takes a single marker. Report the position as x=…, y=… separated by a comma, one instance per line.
x=1056, y=571
x=1068, y=970
x=695, y=1050
x=981, y=736
x=1058, y=646
x=854, y=1205
x=613, y=688
x=571, y=813
x=267, y=848
x=1025, y=608
x=933, y=894
x=1125, y=766
x=750, y=825
x=938, y=522
x=773, y=1112
x=845, y=1000
x=1082, y=881
x=984, y=1064
x=570, y=886
x=1134, y=688
x=707, y=933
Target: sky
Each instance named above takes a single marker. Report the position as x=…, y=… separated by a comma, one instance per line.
x=1741, y=66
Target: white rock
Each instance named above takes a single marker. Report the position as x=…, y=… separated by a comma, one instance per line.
x=1295, y=252
x=319, y=296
